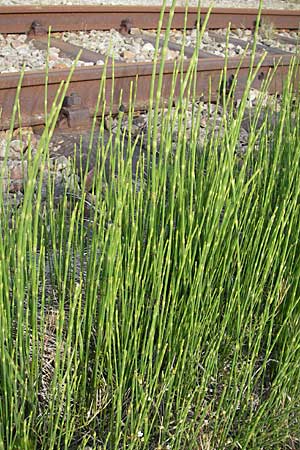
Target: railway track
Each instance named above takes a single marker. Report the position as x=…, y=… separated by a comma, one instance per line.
x=129, y=21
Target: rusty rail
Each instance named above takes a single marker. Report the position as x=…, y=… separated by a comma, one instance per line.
x=18, y=19
x=85, y=80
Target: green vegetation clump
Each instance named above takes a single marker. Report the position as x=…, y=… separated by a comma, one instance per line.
x=166, y=314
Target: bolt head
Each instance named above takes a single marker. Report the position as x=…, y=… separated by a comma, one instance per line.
x=72, y=100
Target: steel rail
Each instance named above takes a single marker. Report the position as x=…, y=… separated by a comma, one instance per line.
x=17, y=19
x=85, y=82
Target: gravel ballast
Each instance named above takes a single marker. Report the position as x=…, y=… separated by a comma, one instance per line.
x=112, y=43
x=16, y=52
x=208, y=44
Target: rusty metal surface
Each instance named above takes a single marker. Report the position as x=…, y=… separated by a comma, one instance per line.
x=85, y=83
x=74, y=115
x=18, y=19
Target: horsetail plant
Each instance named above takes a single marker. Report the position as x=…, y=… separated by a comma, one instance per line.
x=167, y=315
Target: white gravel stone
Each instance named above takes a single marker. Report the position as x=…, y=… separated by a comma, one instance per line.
x=2, y=148
x=148, y=47
x=16, y=53
x=292, y=34
x=15, y=170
